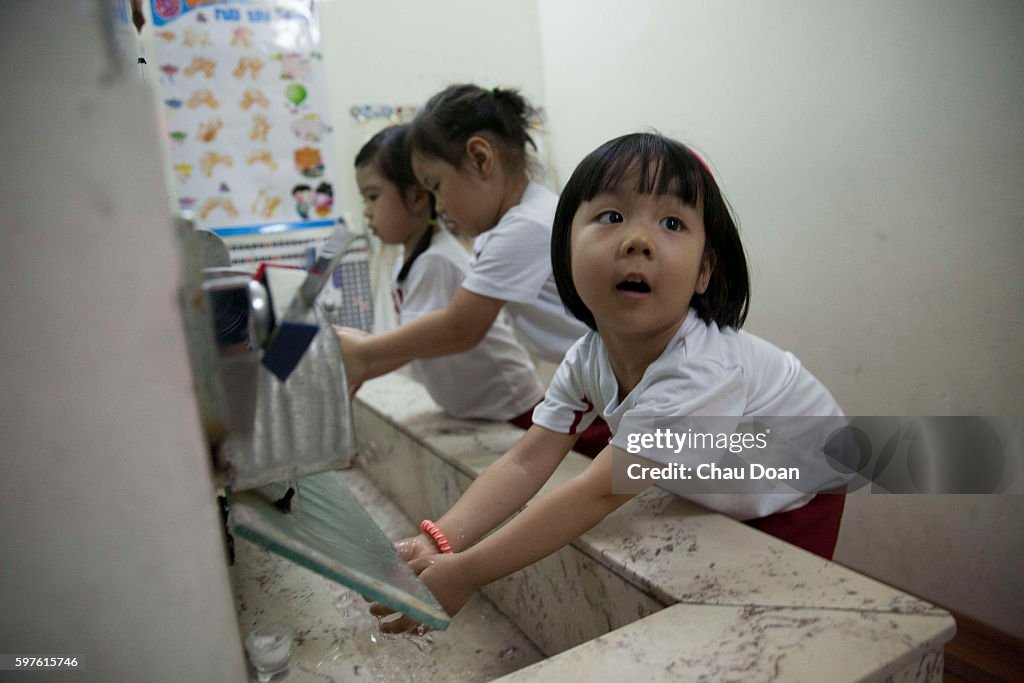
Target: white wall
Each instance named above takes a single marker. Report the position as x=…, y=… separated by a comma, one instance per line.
x=874, y=155
x=399, y=52
x=109, y=537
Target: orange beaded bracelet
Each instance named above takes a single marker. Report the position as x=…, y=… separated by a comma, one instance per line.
x=428, y=527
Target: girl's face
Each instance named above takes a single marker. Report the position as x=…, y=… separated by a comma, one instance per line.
x=637, y=260
x=462, y=196
x=392, y=217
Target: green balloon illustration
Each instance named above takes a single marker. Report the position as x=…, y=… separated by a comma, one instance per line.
x=295, y=94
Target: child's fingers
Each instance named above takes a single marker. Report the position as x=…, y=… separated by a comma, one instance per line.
x=403, y=624
x=379, y=610
x=421, y=563
x=406, y=548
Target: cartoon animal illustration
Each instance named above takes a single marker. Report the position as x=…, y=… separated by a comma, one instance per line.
x=208, y=131
x=207, y=66
x=253, y=97
x=262, y=156
x=241, y=36
x=260, y=128
x=211, y=159
x=178, y=138
x=166, y=36
x=201, y=97
x=250, y=64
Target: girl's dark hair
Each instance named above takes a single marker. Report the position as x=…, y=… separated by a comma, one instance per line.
x=458, y=112
x=388, y=150
x=663, y=166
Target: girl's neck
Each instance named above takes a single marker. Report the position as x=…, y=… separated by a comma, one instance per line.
x=515, y=188
x=631, y=356
x=414, y=238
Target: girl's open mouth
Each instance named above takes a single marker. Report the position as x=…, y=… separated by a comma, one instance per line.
x=634, y=285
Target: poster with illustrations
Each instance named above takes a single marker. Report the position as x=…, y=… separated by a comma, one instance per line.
x=245, y=109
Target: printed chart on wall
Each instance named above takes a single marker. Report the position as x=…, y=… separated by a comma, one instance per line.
x=246, y=115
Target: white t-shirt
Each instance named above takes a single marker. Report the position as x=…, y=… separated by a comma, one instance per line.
x=494, y=380
x=512, y=262
x=703, y=371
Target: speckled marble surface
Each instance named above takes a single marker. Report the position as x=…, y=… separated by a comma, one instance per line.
x=336, y=639
x=656, y=551
x=715, y=643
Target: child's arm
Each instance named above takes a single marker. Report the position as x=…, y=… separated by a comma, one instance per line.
x=349, y=333
x=457, y=327
x=505, y=486
x=501, y=489
x=545, y=526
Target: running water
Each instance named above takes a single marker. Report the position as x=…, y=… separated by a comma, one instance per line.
x=383, y=657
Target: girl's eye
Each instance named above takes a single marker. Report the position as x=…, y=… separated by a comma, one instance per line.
x=671, y=223
x=608, y=217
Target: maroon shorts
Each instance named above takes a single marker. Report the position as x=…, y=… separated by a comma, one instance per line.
x=813, y=527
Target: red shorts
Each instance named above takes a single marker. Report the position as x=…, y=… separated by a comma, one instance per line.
x=813, y=527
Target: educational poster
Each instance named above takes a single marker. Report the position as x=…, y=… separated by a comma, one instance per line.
x=246, y=118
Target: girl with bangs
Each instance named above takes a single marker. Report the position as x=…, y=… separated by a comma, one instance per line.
x=646, y=253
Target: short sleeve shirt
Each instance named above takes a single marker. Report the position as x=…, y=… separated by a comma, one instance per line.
x=702, y=371
x=512, y=262
x=495, y=380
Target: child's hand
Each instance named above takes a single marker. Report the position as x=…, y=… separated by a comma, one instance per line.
x=355, y=367
x=443, y=575
x=415, y=547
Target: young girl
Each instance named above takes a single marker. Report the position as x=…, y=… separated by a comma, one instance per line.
x=495, y=379
x=468, y=148
x=645, y=252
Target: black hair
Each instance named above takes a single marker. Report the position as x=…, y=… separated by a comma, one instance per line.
x=452, y=116
x=389, y=150
x=663, y=166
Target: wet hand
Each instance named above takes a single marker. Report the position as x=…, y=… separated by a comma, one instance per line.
x=356, y=368
x=443, y=575
x=415, y=547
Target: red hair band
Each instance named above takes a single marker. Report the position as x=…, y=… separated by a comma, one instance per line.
x=428, y=527
x=701, y=160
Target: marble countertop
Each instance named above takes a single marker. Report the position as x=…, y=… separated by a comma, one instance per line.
x=739, y=604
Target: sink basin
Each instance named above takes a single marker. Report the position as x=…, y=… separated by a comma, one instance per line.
x=337, y=639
